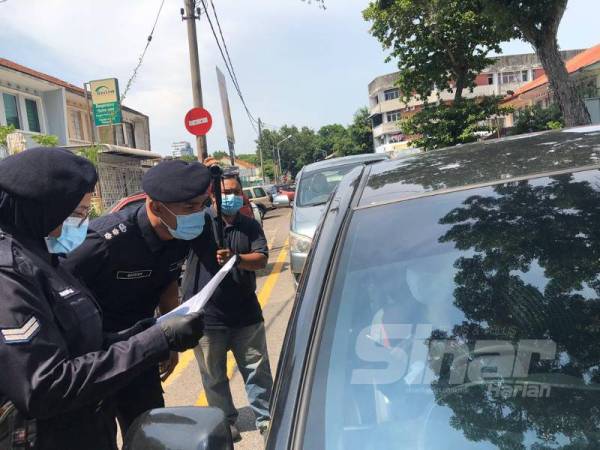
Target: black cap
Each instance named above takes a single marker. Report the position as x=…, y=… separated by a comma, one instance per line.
x=176, y=181
x=40, y=187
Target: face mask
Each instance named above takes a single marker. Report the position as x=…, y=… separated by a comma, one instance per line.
x=72, y=236
x=231, y=204
x=189, y=226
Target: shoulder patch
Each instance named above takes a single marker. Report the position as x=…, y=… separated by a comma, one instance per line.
x=22, y=334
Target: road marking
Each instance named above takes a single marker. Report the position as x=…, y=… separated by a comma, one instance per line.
x=185, y=359
x=264, y=296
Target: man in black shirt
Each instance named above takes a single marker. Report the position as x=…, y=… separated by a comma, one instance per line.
x=131, y=260
x=233, y=317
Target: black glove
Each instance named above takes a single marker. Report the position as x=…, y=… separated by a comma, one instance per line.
x=183, y=332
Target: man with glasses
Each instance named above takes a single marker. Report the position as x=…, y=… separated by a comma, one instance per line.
x=132, y=259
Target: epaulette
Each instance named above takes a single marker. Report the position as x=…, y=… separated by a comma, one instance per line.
x=111, y=233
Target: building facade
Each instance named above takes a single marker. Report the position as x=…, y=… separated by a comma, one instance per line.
x=39, y=104
x=183, y=148
x=584, y=71
x=388, y=108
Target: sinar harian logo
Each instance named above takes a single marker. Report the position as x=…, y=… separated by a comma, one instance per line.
x=104, y=90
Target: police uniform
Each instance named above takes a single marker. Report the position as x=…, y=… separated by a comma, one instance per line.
x=57, y=364
x=127, y=267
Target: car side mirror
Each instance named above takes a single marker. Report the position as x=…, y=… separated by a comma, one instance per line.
x=183, y=428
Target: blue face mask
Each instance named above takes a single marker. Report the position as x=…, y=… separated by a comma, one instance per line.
x=189, y=226
x=72, y=236
x=231, y=204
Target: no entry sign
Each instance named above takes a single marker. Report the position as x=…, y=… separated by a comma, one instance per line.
x=198, y=121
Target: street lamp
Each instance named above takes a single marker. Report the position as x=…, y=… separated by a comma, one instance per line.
x=289, y=136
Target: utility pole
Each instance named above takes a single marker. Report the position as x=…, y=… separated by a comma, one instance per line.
x=190, y=15
x=262, y=167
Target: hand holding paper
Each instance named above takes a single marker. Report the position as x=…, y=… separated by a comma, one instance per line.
x=197, y=302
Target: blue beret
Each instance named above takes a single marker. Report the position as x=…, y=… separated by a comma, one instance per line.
x=176, y=181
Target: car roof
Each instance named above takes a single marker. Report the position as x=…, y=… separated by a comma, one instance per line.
x=482, y=163
x=354, y=159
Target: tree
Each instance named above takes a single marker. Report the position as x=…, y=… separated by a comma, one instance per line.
x=537, y=21
x=445, y=125
x=439, y=44
x=536, y=118
x=220, y=155
x=252, y=159
x=361, y=132
x=189, y=158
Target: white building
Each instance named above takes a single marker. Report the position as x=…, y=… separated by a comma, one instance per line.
x=183, y=148
x=387, y=108
x=36, y=103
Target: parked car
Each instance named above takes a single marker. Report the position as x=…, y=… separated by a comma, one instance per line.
x=315, y=182
x=289, y=191
x=259, y=197
x=450, y=301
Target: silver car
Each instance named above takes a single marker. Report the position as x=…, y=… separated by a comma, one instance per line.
x=315, y=183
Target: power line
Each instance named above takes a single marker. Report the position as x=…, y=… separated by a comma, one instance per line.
x=141, y=58
x=229, y=68
x=224, y=43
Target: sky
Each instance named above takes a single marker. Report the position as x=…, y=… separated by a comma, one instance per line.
x=296, y=63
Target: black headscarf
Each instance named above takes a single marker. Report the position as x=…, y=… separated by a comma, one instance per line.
x=40, y=188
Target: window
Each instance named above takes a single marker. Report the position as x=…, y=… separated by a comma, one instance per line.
x=248, y=193
x=422, y=330
x=260, y=192
x=315, y=187
x=119, y=135
x=76, y=124
x=393, y=116
x=33, y=117
x=514, y=77
x=11, y=110
x=391, y=94
x=490, y=79
x=129, y=134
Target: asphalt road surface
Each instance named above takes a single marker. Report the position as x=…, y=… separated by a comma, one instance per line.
x=275, y=293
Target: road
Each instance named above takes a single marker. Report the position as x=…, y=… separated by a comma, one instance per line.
x=276, y=294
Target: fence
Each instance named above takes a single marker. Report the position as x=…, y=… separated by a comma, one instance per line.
x=119, y=176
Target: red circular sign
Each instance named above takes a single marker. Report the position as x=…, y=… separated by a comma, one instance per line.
x=198, y=121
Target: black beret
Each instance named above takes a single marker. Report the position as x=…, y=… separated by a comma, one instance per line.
x=176, y=181
x=45, y=185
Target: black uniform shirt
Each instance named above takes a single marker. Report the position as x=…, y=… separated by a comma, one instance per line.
x=234, y=303
x=56, y=362
x=126, y=266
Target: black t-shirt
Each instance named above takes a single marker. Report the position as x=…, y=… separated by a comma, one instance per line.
x=234, y=304
x=126, y=266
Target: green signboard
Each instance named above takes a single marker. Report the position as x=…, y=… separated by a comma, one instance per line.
x=106, y=102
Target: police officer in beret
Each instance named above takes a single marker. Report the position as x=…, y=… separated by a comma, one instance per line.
x=132, y=260
x=58, y=368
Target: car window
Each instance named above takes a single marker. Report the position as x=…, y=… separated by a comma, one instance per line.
x=468, y=320
x=248, y=193
x=260, y=192
x=315, y=187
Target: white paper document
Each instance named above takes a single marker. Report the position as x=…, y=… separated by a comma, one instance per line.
x=197, y=302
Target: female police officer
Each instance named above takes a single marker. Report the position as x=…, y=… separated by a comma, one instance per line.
x=56, y=365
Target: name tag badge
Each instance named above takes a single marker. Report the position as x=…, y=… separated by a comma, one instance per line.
x=136, y=275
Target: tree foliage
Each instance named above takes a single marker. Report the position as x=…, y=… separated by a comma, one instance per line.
x=306, y=145
x=5, y=130
x=537, y=22
x=45, y=140
x=439, y=44
x=536, y=118
x=445, y=125
x=519, y=226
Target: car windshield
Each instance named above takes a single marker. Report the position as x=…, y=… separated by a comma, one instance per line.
x=468, y=320
x=315, y=186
